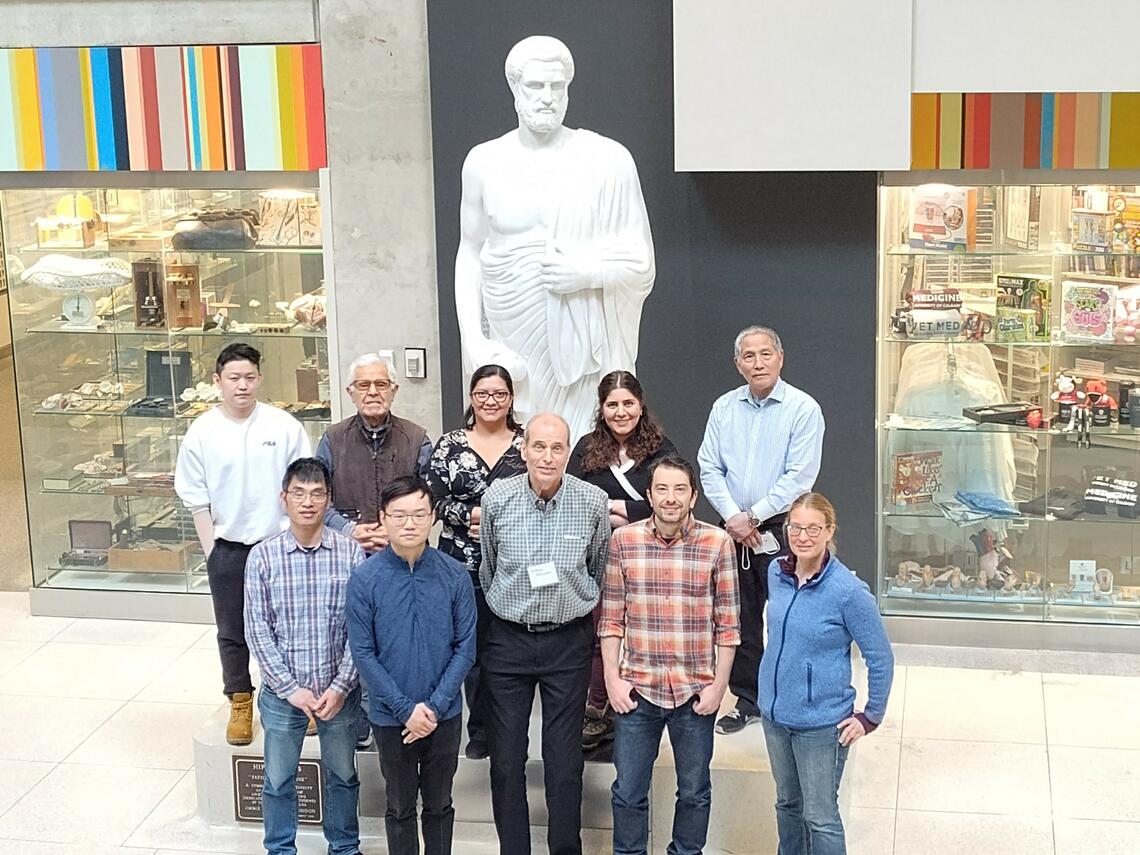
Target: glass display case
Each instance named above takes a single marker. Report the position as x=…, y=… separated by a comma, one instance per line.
x=120, y=301
x=1008, y=402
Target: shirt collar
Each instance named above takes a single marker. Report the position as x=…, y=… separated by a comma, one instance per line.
x=390, y=553
x=777, y=394
x=539, y=502
x=374, y=433
x=291, y=544
x=788, y=566
x=682, y=534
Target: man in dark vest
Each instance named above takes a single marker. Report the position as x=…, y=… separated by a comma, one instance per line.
x=365, y=453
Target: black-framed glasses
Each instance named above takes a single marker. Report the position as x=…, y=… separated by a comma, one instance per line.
x=365, y=385
x=483, y=395
x=812, y=530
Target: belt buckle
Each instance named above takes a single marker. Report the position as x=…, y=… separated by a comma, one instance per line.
x=544, y=626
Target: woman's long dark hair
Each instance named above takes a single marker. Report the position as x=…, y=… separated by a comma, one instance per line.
x=482, y=373
x=601, y=449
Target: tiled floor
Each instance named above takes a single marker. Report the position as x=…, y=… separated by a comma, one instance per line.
x=96, y=755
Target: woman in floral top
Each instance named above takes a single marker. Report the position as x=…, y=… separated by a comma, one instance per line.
x=463, y=465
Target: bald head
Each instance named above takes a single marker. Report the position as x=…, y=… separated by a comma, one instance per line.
x=545, y=422
x=546, y=451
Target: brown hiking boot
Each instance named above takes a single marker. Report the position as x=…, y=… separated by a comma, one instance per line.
x=597, y=727
x=239, y=731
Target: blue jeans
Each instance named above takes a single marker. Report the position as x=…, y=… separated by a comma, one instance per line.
x=637, y=739
x=284, y=727
x=807, y=766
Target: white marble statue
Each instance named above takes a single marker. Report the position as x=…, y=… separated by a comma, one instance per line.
x=555, y=256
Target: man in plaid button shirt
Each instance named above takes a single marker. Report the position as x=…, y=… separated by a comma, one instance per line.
x=670, y=595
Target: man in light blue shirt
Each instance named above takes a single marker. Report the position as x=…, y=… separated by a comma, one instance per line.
x=761, y=451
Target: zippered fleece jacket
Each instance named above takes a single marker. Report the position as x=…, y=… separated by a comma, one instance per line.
x=805, y=674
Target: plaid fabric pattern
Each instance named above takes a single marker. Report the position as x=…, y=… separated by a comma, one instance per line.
x=517, y=529
x=295, y=623
x=674, y=603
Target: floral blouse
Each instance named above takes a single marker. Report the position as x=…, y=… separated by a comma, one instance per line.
x=458, y=477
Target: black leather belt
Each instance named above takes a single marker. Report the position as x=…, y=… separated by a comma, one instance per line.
x=546, y=626
x=541, y=627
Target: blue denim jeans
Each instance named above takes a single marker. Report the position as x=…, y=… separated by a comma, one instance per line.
x=808, y=766
x=637, y=739
x=284, y=727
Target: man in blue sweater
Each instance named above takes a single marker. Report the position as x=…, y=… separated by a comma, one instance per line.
x=411, y=629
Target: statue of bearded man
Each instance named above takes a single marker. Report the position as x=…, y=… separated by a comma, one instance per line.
x=555, y=257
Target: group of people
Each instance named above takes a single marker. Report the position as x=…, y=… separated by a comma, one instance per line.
x=577, y=569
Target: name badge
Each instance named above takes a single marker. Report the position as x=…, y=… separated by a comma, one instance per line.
x=542, y=575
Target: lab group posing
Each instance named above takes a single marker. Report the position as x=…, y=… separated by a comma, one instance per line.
x=576, y=571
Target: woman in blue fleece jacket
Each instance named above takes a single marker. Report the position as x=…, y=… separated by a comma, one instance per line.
x=816, y=608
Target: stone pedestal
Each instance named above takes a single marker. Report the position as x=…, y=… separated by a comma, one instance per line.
x=743, y=819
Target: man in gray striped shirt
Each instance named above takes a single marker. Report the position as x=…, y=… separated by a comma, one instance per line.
x=544, y=537
x=760, y=453
x=297, y=630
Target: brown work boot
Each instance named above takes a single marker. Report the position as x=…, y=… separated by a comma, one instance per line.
x=597, y=727
x=239, y=731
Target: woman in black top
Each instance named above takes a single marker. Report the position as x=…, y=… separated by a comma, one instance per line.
x=463, y=465
x=616, y=456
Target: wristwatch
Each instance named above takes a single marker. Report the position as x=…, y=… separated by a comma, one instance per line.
x=753, y=520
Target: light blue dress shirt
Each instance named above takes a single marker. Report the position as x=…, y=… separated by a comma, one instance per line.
x=761, y=455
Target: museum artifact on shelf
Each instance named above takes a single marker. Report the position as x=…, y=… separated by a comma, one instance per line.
x=150, y=294
x=215, y=229
x=288, y=218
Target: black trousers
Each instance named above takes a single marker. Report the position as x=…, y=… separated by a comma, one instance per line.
x=753, y=585
x=473, y=682
x=424, y=768
x=225, y=568
x=515, y=662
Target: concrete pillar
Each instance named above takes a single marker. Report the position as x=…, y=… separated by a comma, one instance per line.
x=379, y=130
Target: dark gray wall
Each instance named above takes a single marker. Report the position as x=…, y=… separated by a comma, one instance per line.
x=795, y=251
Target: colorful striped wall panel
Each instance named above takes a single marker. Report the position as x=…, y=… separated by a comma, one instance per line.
x=224, y=108
x=1050, y=130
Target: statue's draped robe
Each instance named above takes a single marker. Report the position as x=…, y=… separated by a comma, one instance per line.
x=570, y=341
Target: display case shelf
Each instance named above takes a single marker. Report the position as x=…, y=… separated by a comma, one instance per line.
x=126, y=328
x=104, y=250
x=957, y=340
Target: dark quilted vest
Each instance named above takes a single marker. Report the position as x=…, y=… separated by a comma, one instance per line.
x=358, y=474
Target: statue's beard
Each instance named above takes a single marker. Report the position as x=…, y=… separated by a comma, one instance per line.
x=539, y=121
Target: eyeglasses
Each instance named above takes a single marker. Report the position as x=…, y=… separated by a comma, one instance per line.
x=812, y=530
x=315, y=496
x=401, y=517
x=482, y=395
x=365, y=385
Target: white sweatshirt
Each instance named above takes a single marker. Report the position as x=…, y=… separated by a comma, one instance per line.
x=235, y=469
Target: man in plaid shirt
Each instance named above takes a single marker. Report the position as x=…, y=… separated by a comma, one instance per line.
x=297, y=630
x=670, y=595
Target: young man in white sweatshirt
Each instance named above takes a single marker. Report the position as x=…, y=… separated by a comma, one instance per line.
x=229, y=475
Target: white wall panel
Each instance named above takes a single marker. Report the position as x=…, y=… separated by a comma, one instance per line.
x=1026, y=46
x=82, y=23
x=787, y=85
